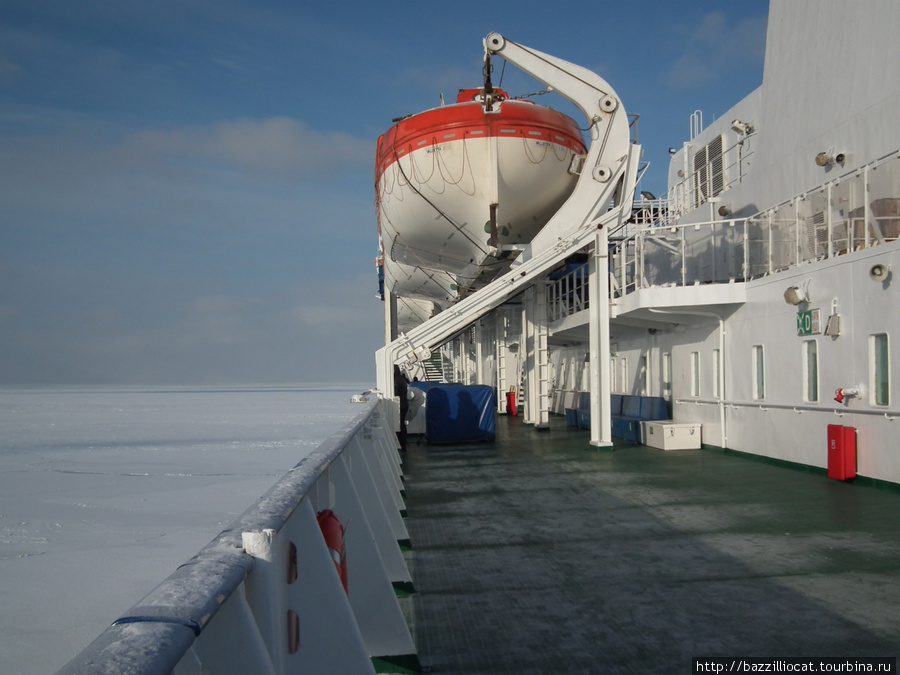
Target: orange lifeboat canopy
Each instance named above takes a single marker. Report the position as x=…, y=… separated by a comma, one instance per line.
x=460, y=187
x=453, y=122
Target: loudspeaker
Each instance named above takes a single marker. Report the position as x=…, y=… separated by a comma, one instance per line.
x=879, y=272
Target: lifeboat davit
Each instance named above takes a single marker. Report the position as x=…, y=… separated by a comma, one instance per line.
x=461, y=188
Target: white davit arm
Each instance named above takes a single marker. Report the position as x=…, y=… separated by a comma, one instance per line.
x=587, y=90
x=602, y=197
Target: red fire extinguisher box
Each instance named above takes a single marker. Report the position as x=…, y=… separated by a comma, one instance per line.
x=841, y=452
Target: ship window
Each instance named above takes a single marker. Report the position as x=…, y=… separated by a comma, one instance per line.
x=695, y=373
x=879, y=369
x=643, y=376
x=612, y=375
x=717, y=373
x=810, y=371
x=667, y=373
x=759, y=369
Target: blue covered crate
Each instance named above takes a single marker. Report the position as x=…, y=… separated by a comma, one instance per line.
x=460, y=414
x=631, y=430
x=584, y=419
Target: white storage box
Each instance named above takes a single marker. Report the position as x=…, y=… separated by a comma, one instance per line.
x=672, y=435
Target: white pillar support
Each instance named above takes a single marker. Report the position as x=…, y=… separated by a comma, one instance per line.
x=479, y=351
x=541, y=383
x=601, y=423
x=503, y=357
x=390, y=317
x=527, y=353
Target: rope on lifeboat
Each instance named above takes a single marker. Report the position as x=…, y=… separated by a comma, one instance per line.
x=436, y=208
x=466, y=162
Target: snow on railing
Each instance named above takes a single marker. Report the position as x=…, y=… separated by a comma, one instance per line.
x=265, y=596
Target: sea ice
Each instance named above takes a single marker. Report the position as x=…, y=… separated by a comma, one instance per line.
x=103, y=493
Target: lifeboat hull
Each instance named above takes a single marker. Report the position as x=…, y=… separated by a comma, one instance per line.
x=457, y=184
x=412, y=313
x=431, y=285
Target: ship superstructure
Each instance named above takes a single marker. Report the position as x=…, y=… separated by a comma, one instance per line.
x=755, y=297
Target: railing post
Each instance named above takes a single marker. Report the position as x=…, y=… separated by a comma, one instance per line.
x=771, y=247
x=371, y=594
x=265, y=590
x=217, y=649
x=384, y=520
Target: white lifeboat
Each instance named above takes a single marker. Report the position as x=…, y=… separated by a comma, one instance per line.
x=462, y=187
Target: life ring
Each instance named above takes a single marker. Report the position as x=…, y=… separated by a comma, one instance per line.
x=333, y=532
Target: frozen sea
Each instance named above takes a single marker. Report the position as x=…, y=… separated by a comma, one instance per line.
x=104, y=492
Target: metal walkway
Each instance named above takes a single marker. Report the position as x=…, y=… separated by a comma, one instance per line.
x=540, y=554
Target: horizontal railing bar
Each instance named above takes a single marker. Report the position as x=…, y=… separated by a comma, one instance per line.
x=787, y=406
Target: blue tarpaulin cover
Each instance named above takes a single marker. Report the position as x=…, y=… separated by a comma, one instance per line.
x=457, y=413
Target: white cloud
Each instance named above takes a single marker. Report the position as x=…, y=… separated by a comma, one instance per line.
x=280, y=146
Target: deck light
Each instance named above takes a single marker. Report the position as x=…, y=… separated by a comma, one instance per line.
x=742, y=128
x=795, y=295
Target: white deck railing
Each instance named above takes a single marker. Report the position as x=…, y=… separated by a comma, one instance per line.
x=853, y=212
x=264, y=596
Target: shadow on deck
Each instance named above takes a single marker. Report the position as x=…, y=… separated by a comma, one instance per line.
x=540, y=554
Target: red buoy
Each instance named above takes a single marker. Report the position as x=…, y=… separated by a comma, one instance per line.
x=333, y=532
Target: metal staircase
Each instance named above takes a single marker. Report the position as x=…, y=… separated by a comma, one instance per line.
x=434, y=367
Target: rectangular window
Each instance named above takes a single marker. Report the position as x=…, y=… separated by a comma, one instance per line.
x=759, y=370
x=717, y=373
x=613, y=385
x=879, y=369
x=810, y=371
x=695, y=373
x=667, y=373
x=644, y=376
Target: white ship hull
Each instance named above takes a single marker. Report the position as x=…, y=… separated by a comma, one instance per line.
x=435, y=202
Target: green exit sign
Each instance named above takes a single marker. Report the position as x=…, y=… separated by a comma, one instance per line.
x=809, y=322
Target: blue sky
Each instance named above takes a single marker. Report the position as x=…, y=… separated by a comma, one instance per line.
x=186, y=188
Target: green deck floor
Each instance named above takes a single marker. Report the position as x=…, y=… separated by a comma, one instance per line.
x=540, y=554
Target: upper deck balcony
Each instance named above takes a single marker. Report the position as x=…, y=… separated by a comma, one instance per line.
x=659, y=264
